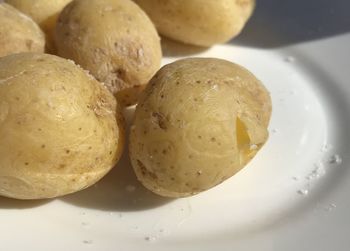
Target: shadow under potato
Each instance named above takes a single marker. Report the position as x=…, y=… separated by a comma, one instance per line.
x=172, y=48
x=281, y=23
x=8, y=203
x=119, y=190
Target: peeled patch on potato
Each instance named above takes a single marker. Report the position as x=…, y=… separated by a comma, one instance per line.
x=198, y=122
x=61, y=130
x=114, y=40
x=18, y=32
x=44, y=12
x=198, y=22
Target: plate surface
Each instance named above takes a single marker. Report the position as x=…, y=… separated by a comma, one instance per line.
x=292, y=196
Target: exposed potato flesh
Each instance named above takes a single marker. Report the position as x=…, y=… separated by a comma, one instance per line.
x=198, y=122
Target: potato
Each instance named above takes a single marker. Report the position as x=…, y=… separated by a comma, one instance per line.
x=43, y=12
x=199, y=22
x=114, y=40
x=60, y=129
x=18, y=33
x=198, y=122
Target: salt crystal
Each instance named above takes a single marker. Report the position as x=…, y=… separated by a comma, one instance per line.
x=326, y=148
x=303, y=192
x=335, y=159
x=289, y=59
x=130, y=188
x=253, y=147
x=150, y=238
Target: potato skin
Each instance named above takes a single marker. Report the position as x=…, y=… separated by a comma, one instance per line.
x=18, y=33
x=198, y=22
x=44, y=12
x=198, y=122
x=60, y=129
x=114, y=40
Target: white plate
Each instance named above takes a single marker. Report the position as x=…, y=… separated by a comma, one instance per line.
x=290, y=197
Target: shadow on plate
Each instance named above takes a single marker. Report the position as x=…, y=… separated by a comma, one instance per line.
x=119, y=190
x=7, y=203
x=171, y=48
x=281, y=23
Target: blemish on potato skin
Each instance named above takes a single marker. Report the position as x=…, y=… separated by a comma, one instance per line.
x=160, y=120
x=145, y=171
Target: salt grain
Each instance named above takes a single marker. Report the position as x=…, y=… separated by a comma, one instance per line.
x=335, y=159
x=130, y=188
x=303, y=192
x=150, y=238
x=289, y=59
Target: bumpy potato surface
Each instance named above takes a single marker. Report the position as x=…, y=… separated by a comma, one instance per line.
x=18, y=32
x=114, y=40
x=60, y=129
x=199, y=22
x=198, y=122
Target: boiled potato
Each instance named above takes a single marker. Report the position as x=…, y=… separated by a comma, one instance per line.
x=114, y=40
x=60, y=129
x=198, y=122
x=44, y=12
x=18, y=33
x=199, y=22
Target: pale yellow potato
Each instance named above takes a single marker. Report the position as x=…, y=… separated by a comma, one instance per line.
x=198, y=22
x=18, y=32
x=198, y=122
x=61, y=130
x=114, y=40
x=44, y=12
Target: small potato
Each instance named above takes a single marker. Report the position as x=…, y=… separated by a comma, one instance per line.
x=198, y=122
x=44, y=12
x=18, y=33
x=198, y=22
x=114, y=40
x=60, y=129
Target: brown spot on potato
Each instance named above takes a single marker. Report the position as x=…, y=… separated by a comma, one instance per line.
x=160, y=120
x=29, y=44
x=145, y=171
